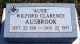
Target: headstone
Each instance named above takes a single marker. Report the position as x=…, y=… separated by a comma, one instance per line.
x=40, y=22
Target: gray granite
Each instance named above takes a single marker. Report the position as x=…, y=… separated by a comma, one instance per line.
x=41, y=36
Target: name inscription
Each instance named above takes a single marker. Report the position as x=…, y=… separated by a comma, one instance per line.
x=41, y=19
